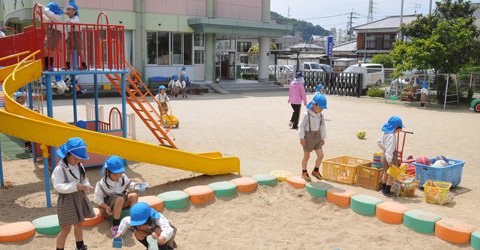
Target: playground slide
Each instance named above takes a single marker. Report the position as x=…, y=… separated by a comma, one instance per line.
x=24, y=123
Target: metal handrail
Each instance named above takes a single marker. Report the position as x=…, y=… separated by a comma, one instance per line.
x=15, y=55
x=24, y=62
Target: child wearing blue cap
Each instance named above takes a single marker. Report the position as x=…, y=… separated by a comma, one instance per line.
x=145, y=222
x=388, y=143
x=20, y=99
x=174, y=85
x=73, y=34
x=59, y=85
x=52, y=14
x=162, y=98
x=183, y=87
x=111, y=191
x=312, y=134
x=70, y=180
x=424, y=96
x=319, y=89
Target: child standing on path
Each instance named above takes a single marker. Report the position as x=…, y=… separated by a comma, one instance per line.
x=296, y=94
x=111, y=192
x=70, y=181
x=162, y=98
x=388, y=143
x=312, y=134
x=424, y=92
x=148, y=222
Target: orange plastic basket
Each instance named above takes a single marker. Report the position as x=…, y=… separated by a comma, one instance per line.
x=342, y=169
x=368, y=176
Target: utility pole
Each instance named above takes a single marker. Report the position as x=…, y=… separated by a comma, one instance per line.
x=401, y=19
x=430, y=9
x=350, y=24
x=288, y=13
x=370, y=11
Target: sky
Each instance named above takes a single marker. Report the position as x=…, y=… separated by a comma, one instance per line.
x=333, y=13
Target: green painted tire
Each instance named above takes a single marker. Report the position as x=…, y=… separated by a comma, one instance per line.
x=420, y=221
x=364, y=204
x=265, y=179
x=475, y=240
x=47, y=224
x=125, y=212
x=223, y=188
x=175, y=199
x=318, y=189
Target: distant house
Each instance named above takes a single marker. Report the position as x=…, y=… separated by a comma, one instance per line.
x=287, y=41
x=315, y=39
x=377, y=37
x=345, y=50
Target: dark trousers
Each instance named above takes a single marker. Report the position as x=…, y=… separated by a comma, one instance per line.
x=295, y=114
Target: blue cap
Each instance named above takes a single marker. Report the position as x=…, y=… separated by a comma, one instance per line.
x=72, y=6
x=184, y=78
x=183, y=68
x=140, y=212
x=299, y=74
x=18, y=94
x=424, y=85
x=392, y=123
x=81, y=124
x=53, y=7
x=114, y=164
x=319, y=87
x=58, y=78
x=320, y=100
x=75, y=146
x=175, y=77
x=161, y=87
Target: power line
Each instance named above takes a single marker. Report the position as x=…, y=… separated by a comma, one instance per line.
x=310, y=18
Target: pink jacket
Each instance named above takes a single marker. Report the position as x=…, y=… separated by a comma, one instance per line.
x=296, y=92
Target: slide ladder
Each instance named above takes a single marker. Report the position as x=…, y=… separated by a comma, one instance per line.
x=143, y=108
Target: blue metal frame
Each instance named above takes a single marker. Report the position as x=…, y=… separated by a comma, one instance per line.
x=1, y=167
x=48, y=83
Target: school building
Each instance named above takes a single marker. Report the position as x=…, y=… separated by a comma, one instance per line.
x=208, y=37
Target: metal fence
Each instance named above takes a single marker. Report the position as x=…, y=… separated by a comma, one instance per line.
x=335, y=83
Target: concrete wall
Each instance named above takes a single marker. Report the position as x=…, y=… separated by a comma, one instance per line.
x=249, y=10
x=177, y=7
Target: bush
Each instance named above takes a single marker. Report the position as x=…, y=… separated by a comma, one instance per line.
x=250, y=76
x=384, y=59
x=375, y=92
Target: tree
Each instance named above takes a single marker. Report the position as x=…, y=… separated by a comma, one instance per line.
x=256, y=48
x=444, y=41
x=384, y=59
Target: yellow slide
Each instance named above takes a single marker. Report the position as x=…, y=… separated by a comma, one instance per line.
x=24, y=123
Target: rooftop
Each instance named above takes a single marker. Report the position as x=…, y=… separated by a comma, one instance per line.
x=389, y=22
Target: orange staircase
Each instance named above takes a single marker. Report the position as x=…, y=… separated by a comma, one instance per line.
x=143, y=108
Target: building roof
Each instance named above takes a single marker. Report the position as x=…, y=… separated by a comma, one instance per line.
x=316, y=37
x=349, y=46
x=302, y=46
x=389, y=22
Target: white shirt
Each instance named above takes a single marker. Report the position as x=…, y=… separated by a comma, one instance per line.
x=424, y=91
x=50, y=17
x=58, y=179
x=388, y=143
x=162, y=222
x=74, y=19
x=115, y=188
x=314, y=124
x=162, y=98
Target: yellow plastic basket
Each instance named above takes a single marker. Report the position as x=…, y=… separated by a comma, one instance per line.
x=394, y=171
x=342, y=169
x=438, y=193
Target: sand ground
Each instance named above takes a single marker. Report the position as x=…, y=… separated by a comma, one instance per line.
x=254, y=128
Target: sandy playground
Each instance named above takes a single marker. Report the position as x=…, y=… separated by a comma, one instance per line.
x=254, y=128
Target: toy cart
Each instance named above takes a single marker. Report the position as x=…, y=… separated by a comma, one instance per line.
x=169, y=120
x=403, y=135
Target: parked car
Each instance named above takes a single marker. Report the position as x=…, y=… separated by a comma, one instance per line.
x=326, y=67
x=311, y=66
x=246, y=69
x=373, y=74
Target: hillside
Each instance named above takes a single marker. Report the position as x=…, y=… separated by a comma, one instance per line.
x=307, y=28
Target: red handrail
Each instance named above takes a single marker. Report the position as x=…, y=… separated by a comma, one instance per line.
x=99, y=15
x=9, y=28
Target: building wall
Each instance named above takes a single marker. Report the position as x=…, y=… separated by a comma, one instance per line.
x=248, y=10
x=123, y=5
x=177, y=7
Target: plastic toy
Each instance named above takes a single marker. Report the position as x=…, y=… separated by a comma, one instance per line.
x=117, y=243
x=441, y=157
x=141, y=187
x=361, y=134
x=423, y=160
x=475, y=105
x=169, y=120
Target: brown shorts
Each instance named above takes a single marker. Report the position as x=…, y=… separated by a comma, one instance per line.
x=76, y=40
x=54, y=39
x=110, y=201
x=423, y=97
x=385, y=163
x=313, y=141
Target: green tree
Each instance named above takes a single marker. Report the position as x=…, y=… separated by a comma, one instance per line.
x=256, y=48
x=444, y=41
x=384, y=59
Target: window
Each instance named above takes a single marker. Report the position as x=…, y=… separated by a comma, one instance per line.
x=177, y=48
x=199, y=40
x=151, y=48
x=371, y=39
x=243, y=46
x=165, y=48
x=162, y=48
x=199, y=57
x=187, y=49
x=373, y=69
x=388, y=41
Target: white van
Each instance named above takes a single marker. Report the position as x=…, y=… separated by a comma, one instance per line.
x=311, y=66
x=373, y=74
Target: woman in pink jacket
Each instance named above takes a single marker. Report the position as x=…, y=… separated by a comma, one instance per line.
x=296, y=94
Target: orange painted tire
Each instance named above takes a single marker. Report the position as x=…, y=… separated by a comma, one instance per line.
x=391, y=212
x=153, y=201
x=17, y=231
x=245, y=184
x=296, y=181
x=95, y=220
x=340, y=196
x=200, y=194
x=453, y=231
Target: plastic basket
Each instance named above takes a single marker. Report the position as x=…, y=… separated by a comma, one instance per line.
x=368, y=176
x=451, y=173
x=342, y=169
x=438, y=193
x=405, y=188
